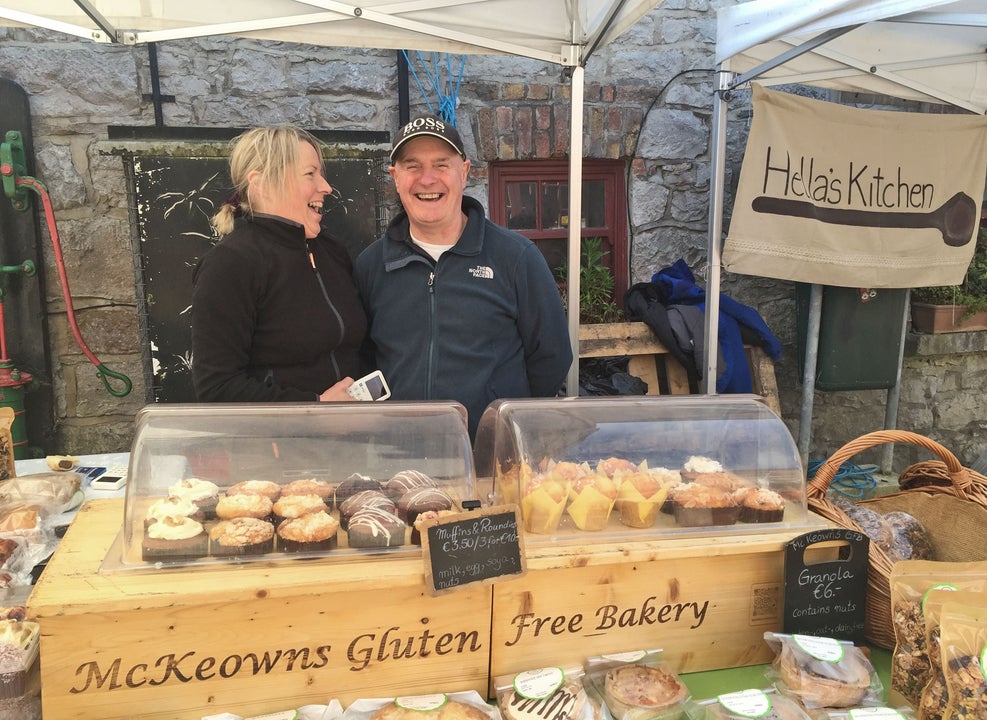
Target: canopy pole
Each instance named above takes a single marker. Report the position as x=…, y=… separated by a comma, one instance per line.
x=717, y=171
x=575, y=226
x=809, y=373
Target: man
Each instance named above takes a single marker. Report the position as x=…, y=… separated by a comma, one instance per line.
x=459, y=307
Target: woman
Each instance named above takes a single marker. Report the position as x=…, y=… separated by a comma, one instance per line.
x=275, y=313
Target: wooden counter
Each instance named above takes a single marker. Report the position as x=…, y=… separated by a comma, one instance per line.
x=263, y=636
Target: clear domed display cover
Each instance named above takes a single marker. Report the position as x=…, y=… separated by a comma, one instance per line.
x=639, y=467
x=278, y=481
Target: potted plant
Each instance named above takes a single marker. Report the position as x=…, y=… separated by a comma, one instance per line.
x=596, y=285
x=955, y=308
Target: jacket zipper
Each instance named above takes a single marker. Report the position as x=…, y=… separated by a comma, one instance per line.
x=335, y=312
x=431, y=333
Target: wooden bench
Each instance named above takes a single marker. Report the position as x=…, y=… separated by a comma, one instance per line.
x=655, y=365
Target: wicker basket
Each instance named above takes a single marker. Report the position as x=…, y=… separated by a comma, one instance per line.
x=932, y=490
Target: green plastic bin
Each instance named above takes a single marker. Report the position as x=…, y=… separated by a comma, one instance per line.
x=860, y=336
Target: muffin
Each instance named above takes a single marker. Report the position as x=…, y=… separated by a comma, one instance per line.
x=203, y=493
x=613, y=466
x=700, y=506
x=416, y=528
x=404, y=481
x=313, y=532
x=420, y=500
x=172, y=506
x=268, y=489
x=310, y=486
x=704, y=471
x=760, y=505
x=643, y=692
x=174, y=537
x=288, y=507
x=543, y=502
x=246, y=505
x=697, y=465
x=591, y=499
x=361, y=501
x=375, y=527
x=241, y=536
x=353, y=484
x=639, y=498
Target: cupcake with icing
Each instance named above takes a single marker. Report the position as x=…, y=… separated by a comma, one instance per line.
x=174, y=537
x=172, y=506
x=204, y=493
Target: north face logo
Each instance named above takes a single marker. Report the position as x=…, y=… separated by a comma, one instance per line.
x=482, y=271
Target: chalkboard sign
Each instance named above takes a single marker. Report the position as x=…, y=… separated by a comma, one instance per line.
x=826, y=584
x=178, y=184
x=470, y=548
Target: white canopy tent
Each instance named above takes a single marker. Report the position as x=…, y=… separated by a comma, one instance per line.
x=925, y=50
x=563, y=32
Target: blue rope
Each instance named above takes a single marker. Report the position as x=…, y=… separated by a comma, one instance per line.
x=446, y=102
x=851, y=480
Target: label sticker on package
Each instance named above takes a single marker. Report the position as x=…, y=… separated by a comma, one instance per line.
x=821, y=648
x=538, y=684
x=874, y=713
x=423, y=703
x=747, y=703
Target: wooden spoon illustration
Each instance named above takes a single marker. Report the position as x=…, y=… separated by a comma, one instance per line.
x=955, y=218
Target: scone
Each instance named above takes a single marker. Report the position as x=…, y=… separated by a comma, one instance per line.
x=266, y=488
x=241, y=536
x=642, y=692
x=312, y=532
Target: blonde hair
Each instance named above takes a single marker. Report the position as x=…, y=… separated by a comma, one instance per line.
x=271, y=151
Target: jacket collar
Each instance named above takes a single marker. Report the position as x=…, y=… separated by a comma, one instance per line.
x=399, y=249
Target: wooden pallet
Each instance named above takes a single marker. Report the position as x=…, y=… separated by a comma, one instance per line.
x=658, y=368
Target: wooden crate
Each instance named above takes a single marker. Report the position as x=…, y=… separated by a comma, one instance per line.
x=657, y=367
x=706, y=602
x=248, y=639
x=266, y=636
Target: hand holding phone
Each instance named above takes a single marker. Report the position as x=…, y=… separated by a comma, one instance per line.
x=370, y=387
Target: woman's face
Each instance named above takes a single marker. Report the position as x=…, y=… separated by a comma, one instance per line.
x=302, y=196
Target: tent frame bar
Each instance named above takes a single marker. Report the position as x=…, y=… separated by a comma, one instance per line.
x=807, y=46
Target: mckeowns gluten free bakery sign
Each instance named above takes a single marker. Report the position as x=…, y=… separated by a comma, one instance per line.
x=838, y=195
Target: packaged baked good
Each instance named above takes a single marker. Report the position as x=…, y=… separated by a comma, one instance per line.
x=763, y=704
x=963, y=644
x=466, y=705
x=6, y=443
x=910, y=581
x=822, y=672
x=932, y=702
x=52, y=490
x=636, y=686
x=880, y=712
x=549, y=693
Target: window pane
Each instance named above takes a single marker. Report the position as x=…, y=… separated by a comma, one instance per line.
x=594, y=204
x=554, y=205
x=554, y=250
x=522, y=208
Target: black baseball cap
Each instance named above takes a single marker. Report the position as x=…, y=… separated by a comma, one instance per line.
x=431, y=126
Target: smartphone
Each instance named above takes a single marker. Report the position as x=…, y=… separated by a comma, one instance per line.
x=113, y=479
x=370, y=387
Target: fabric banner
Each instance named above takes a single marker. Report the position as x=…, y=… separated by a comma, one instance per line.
x=836, y=195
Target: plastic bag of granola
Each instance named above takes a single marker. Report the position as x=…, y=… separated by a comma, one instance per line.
x=963, y=644
x=910, y=581
x=934, y=696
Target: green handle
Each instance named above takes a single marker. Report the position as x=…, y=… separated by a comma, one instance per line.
x=104, y=371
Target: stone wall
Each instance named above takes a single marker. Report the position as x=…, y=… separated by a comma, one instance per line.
x=648, y=101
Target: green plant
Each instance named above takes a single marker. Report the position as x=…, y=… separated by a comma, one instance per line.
x=971, y=293
x=596, y=285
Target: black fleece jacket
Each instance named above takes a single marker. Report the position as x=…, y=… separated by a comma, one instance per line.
x=266, y=325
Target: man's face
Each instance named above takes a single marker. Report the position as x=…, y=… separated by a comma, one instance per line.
x=430, y=178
